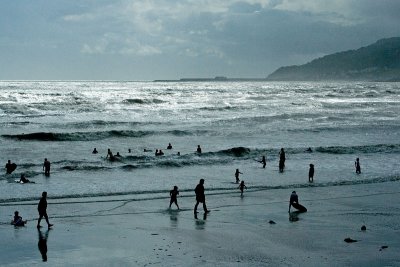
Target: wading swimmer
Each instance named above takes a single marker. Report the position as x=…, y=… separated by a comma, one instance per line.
x=174, y=196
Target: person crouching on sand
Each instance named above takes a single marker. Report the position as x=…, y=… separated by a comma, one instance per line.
x=293, y=199
x=18, y=220
x=174, y=196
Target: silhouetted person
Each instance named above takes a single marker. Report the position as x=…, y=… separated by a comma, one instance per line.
x=311, y=173
x=42, y=209
x=237, y=172
x=169, y=146
x=282, y=159
x=263, y=161
x=309, y=150
x=129, y=150
x=42, y=244
x=17, y=221
x=174, y=196
x=95, y=151
x=23, y=179
x=357, y=165
x=200, y=197
x=242, y=186
x=46, y=167
x=110, y=155
x=118, y=155
x=293, y=199
x=198, y=149
x=10, y=167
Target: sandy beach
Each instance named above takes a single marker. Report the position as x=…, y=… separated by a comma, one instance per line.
x=238, y=232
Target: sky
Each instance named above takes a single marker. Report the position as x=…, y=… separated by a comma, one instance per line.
x=172, y=39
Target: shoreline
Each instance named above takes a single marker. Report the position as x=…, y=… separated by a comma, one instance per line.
x=237, y=232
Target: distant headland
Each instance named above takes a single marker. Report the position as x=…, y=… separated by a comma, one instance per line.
x=377, y=62
x=215, y=79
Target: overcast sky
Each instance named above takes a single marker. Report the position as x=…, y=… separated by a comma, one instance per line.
x=171, y=39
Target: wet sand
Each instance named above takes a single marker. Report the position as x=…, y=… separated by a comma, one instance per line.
x=237, y=232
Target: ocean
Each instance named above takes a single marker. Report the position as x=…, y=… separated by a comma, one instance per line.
x=235, y=123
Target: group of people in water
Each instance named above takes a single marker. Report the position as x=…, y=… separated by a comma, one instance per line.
x=199, y=190
x=11, y=167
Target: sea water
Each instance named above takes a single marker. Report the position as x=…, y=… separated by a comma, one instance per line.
x=235, y=123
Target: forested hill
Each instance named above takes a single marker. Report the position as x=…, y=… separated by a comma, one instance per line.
x=377, y=62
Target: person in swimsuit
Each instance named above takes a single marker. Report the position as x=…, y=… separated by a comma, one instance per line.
x=17, y=221
x=311, y=173
x=46, y=167
x=357, y=165
x=242, y=186
x=174, y=196
x=237, y=172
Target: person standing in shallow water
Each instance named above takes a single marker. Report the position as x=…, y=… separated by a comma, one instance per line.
x=42, y=209
x=242, y=186
x=263, y=161
x=174, y=196
x=311, y=173
x=200, y=196
x=282, y=159
x=46, y=167
x=237, y=172
x=357, y=165
x=198, y=149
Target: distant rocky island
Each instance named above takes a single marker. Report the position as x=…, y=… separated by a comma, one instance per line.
x=215, y=79
x=377, y=62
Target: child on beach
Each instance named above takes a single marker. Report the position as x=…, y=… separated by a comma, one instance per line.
x=242, y=186
x=174, y=196
x=18, y=220
x=237, y=172
x=263, y=161
x=311, y=173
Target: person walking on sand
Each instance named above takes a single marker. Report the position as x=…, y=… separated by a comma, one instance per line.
x=174, y=196
x=237, y=172
x=357, y=165
x=311, y=173
x=242, y=186
x=46, y=167
x=200, y=197
x=42, y=209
